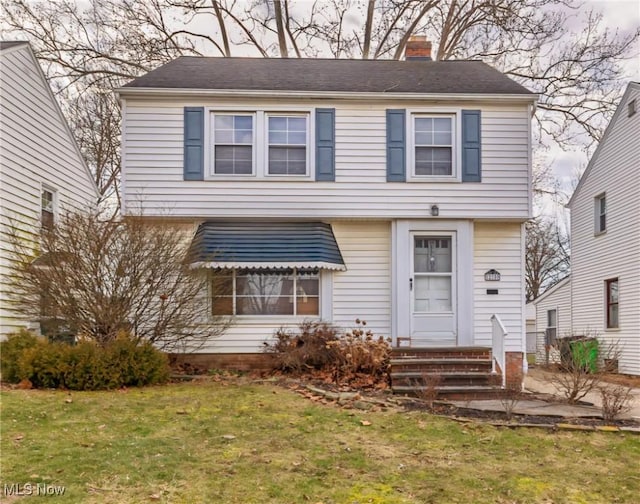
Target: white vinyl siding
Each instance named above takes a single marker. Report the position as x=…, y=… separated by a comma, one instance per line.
x=499, y=246
x=153, y=168
x=594, y=259
x=37, y=152
x=364, y=290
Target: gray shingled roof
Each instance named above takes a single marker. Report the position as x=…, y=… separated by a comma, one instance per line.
x=7, y=44
x=374, y=76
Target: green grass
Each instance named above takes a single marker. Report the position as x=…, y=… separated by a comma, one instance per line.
x=166, y=444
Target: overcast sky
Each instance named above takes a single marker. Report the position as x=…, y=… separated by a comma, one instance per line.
x=623, y=15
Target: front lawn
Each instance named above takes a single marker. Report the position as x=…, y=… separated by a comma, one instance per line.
x=248, y=443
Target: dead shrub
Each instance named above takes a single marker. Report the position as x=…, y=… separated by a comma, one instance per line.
x=311, y=347
x=616, y=399
x=510, y=398
x=427, y=387
x=318, y=347
x=584, y=361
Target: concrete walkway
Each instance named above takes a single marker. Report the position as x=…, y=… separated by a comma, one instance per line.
x=533, y=407
x=537, y=382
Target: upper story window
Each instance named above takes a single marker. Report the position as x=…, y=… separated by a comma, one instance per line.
x=287, y=145
x=233, y=139
x=601, y=213
x=259, y=143
x=612, y=303
x=631, y=108
x=434, y=150
x=47, y=209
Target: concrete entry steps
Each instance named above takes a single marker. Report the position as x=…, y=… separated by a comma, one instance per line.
x=457, y=372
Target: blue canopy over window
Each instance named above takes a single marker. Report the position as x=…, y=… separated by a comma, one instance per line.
x=266, y=245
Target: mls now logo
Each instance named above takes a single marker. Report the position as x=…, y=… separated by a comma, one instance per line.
x=39, y=489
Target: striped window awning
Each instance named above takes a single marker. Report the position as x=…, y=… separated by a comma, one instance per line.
x=232, y=245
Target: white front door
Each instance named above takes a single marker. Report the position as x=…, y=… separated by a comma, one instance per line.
x=433, y=289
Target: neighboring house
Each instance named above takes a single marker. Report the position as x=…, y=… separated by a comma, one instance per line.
x=553, y=320
x=41, y=169
x=341, y=189
x=605, y=237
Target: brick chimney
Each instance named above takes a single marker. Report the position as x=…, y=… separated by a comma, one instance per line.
x=418, y=49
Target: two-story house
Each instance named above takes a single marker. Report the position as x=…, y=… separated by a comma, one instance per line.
x=605, y=238
x=41, y=169
x=391, y=191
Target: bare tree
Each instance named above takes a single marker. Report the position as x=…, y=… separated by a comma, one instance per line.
x=547, y=257
x=102, y=275
x=95, y=120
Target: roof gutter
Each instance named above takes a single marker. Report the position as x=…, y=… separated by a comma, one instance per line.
x=148, y=92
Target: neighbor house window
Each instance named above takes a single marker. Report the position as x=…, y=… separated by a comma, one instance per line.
x=551, y=333
x=233, y=138
x=601, y=213
x=433, y=146
x=47, y=209
x=287, y=145
x=612, y=303
x=631, y=108
x=266, y=292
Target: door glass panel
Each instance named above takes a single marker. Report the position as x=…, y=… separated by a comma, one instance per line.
x=432, y=255
x=432, y=262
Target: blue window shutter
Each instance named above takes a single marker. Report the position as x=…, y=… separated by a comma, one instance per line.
x=471, y=155
x=326, y=144
x=396, y=145
x=194, y=143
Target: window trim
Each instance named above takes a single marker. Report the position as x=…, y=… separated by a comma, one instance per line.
x=322, y=287
x=308, y=146
x=260, y=151
x=609, y=303
x=598, y=214
x=456, y=146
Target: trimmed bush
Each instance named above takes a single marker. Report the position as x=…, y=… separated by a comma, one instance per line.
x=11, y=350
x=87, y=366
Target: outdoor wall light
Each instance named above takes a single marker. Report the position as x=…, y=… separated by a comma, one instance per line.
x=435, y=211
x=492, y=276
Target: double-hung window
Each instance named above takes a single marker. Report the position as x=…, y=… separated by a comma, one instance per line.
x=47, y=209
x=260, y=143
x=287, y=144
x=601, y=213
x=289, y=291
x=612, y=303
x=552, y=327
x=433, y=146
x=233, y=140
